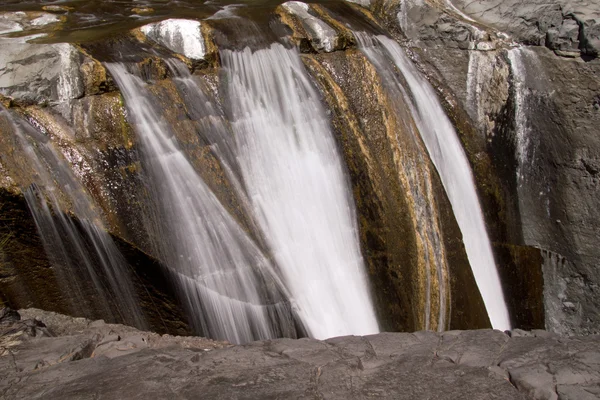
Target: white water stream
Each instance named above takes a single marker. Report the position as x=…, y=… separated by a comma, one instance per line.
x=300, y=198
x=223, y=276
x=451, y=162
x=83, y=249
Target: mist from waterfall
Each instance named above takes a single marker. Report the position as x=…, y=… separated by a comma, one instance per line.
x=452, y=165
x=294, y=180
x=227, y=284
x=82, y=253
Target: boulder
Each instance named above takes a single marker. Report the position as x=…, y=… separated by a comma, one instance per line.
x=322, y=37
x=179, y=35
x=38, y=73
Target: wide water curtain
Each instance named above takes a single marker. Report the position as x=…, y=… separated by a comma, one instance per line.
x=83, y=254
x=223, y=278
x=296, y=186
x=452, y=164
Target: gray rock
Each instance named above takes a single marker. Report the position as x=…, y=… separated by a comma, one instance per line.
x=431, y=26
x=535, y=109
x=179, y=35
x=36, y=73
x=565, y=25
x=321, y=36
x=113, y=361
x=363, y=3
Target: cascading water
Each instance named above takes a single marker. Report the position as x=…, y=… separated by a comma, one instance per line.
x=451, y=162
x=294, y=180
x=226, y=282
x=76, y=250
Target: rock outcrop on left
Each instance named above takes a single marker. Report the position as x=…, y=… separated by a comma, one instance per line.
x=93, y=132
x=50, y=355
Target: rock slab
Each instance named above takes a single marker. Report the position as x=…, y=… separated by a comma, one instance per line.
x=74, y=358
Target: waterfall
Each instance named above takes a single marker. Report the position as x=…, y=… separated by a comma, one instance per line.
x=296, y=186
x=451, y=162
x=226, y=282
x=76, y=250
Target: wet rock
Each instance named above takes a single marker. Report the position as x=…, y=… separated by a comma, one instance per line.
x=40, y=74
x=363, y=3
x=57, y=8
x=27, y=21
x=142, y=10
x=179, y=35
x=321, y=36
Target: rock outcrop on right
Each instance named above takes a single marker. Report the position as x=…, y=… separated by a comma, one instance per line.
x=566, y=26
x=528, y=75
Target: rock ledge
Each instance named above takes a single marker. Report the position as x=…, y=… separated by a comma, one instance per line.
x=48, y=355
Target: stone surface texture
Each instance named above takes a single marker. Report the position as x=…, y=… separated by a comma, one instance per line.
x=99, y=360
x=562, y=25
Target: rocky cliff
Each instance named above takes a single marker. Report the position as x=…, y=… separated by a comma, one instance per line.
x=527, y=75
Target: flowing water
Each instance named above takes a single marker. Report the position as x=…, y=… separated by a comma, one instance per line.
x=451, y=162
x=525, y=69
x=227, y=283
x=81, y=251
x=296, y=185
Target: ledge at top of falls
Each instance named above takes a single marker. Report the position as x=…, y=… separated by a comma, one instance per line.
x=64, y=357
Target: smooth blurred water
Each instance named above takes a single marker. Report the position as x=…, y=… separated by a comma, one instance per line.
x=82, y=252
x=227, y=284
x=299, y=195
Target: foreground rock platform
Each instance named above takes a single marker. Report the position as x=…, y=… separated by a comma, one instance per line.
x=48, y=355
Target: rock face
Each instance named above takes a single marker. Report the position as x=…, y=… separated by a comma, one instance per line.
x=529, y=87
x=62, y=357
